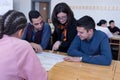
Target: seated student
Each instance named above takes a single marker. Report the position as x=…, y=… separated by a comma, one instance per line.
x=90, y=45
x=18, y=61
x=102, y=26
x=113, y=29
x=37, y=32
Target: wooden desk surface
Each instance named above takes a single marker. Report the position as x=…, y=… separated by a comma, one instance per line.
x=117, y=71
x=82, y=71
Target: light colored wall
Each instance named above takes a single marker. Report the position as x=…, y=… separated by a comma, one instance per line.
x=98, y=9
x=5, y=5
x=23, y=6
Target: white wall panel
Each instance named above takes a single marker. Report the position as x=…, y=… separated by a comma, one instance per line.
x=98, y=9
x=5, y=5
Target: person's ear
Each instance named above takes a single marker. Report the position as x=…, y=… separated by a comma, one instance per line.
x=91, y=30
x=20, y=33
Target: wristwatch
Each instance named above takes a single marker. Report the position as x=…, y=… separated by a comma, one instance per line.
x=80, y=58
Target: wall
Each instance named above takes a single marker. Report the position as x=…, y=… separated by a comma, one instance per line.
x=5, y=5
x=23, y=6
x=98, y=9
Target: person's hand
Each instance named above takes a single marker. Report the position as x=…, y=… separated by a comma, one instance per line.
x=36, y=47
x=56, y=45
x=73, y=59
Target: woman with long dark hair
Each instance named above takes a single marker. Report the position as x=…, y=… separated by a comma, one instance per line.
x=65, y=27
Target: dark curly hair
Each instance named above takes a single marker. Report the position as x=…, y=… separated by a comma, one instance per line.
x=11, y=22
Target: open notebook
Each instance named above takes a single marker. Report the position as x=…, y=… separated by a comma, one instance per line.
x=48, y=59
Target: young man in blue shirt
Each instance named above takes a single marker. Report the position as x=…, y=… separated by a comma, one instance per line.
x=37, y=32
x=90, y=45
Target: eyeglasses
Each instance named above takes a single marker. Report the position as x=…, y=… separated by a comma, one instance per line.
x=62, y=18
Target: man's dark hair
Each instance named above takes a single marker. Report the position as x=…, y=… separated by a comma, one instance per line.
x=111, y=21
x=87, y=22
x=33, y=14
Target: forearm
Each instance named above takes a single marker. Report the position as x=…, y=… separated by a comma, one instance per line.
x=74, y=52
x=99, y=59
x=45, y=42
x=46, y=38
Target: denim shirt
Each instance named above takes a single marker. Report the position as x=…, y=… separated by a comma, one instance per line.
x=45, y=35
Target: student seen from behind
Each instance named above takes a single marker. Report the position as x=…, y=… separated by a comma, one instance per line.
x=18, y=61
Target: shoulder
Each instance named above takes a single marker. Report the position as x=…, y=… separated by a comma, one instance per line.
x=99, y=28
x=22, y=48
x=19, y=48
x=100, y=34
x=116, y=27
x=17, y=45
x=20, y=44
x=28, y=25
x=77, y=38
x=46, y=26
x=72, y=24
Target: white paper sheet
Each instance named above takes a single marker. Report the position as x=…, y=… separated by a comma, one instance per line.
x=48, y=60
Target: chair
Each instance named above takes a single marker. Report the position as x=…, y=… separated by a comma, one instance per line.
x=115, y=47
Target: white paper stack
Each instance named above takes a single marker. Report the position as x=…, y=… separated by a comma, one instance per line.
x=48, y=60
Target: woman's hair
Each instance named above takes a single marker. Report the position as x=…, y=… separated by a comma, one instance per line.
x=11, y=22
x=62, y=7
x=101, y=22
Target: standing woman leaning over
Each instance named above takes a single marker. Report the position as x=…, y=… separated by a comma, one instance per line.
x=65, y=27
x=18, y=60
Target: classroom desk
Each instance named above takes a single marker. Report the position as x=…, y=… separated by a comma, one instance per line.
x=116, y=38
x=117, y=71
x=83, y=71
